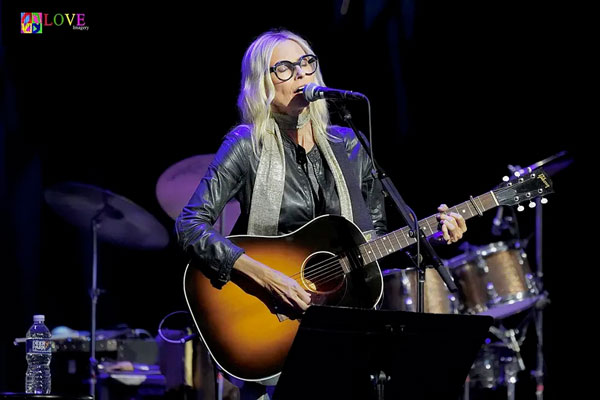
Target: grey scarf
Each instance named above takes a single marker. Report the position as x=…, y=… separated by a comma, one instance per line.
x=270, y=177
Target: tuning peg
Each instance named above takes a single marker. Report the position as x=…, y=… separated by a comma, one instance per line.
x=520, y=208
x=531, y=204
x=505, y=178
x=544, y=200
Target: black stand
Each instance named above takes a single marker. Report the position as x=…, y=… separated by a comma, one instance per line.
x=349, y=353
x=106, y=211
x=409, y=217
x=552, y=164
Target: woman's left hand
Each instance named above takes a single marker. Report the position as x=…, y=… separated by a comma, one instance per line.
x=453, y=225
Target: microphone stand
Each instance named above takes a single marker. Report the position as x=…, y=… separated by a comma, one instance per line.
x=409, y=218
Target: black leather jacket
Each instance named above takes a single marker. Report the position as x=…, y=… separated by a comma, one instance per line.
x=232, y=174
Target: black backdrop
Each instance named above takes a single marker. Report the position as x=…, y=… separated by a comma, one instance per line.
x=458, y=92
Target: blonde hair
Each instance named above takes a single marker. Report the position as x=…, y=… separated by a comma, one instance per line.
x=257, y=90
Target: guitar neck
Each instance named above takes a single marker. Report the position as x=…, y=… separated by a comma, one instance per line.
x=402, y=238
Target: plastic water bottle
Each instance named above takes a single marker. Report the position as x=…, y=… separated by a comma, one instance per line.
x=39, y=353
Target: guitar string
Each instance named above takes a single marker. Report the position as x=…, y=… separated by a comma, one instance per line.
x=328, y=278
x=326, y=273
x=316, y=273
x=326, y=270
x=324, y=266
x=332, y=273
x=319, y=266
x=332, y=277
x=323, y=269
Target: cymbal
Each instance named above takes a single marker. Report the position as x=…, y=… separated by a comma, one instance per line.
x=120, y=221
x=177, y=184
x=553, y=164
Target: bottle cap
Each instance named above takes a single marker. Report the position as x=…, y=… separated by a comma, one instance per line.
x=39, y=318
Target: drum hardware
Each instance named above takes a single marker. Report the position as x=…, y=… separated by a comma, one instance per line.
x=498, y=362
x=110, y=218
x=552, y=165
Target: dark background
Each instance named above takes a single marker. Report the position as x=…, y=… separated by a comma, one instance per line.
x=458, y=92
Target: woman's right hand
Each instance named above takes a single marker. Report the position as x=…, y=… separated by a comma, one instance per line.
x=285, y=294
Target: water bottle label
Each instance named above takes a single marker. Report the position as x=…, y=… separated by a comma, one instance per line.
x=41, y=346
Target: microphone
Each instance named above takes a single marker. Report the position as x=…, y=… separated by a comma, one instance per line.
x=313, y=92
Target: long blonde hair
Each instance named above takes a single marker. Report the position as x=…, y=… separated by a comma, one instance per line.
x=257, y=90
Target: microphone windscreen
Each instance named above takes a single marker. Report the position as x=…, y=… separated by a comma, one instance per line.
x=310, y=92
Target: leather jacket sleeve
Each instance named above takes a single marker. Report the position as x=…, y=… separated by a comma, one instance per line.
x=210, y=251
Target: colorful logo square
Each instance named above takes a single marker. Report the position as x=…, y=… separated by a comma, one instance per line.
x=31, y=23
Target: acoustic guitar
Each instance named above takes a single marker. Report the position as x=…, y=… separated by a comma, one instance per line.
x=331, y=259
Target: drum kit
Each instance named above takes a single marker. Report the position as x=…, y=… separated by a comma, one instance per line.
x=495, y=279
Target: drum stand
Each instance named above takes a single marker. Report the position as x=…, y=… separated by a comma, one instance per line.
x=506, y=356
x=512, y=364
x=538, y=311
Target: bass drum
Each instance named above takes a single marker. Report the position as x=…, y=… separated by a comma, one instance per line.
x=495, y=280
x=400, y=292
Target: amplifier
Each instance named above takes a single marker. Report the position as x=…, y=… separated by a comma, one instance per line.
x=70, y=364
x=143, y=351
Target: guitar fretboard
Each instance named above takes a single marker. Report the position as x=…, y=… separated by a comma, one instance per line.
x=402, y=238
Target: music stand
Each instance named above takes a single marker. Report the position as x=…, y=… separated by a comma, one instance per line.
x=347, y=353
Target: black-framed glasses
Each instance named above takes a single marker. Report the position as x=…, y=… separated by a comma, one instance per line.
x=284, y=70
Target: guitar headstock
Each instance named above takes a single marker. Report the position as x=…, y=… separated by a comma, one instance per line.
x=525, y=187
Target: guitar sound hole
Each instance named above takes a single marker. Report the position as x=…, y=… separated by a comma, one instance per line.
x=322, y=272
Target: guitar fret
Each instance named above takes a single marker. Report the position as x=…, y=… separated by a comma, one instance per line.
x=483, y=200
x=406, y=234
x=384, y=241
x=472, y=209
x=363, y=253
x=368, y=254
x=491, y=201
x=431, y=230
x=496, y=203
x=378, y=249
x=480, y=204
x=397, y=240
x=466, y=207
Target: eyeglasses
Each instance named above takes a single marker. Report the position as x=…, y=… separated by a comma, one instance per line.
x=284, y=70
